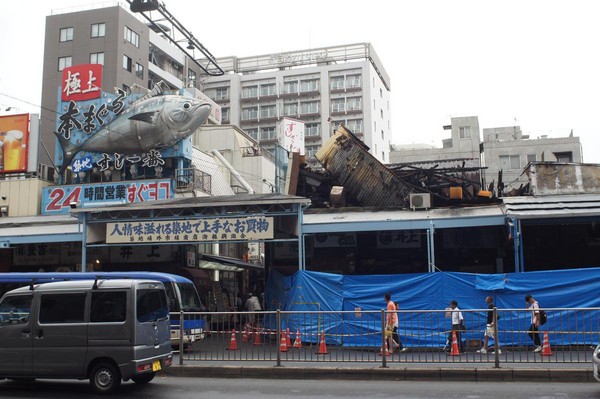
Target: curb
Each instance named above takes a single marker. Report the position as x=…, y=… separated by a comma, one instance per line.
x=376, y=373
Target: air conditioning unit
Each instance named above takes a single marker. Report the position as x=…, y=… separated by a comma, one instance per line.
x=420, y=201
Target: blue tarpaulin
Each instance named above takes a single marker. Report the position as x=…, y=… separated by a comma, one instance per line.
x=307, y=291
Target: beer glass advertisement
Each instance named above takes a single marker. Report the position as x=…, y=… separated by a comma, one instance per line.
x=14, y=137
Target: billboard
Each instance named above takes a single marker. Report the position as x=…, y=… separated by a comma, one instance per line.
x=291, y=135
x=14, y=143
x=102, y=130
x=59, y=199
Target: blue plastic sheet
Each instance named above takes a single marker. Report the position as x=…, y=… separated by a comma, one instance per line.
x=313, y=291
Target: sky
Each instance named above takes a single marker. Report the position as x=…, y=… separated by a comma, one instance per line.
x=535, y=64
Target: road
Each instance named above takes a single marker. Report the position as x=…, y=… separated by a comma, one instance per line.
x=209, y=388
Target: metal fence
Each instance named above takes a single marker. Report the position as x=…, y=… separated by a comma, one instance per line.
x=570, y=336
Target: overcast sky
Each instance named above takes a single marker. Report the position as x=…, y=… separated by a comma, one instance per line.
x=535, y=64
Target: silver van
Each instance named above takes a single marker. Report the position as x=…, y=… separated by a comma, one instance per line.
x=105, y=330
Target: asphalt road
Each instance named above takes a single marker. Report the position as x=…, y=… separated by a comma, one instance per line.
x=201, y=388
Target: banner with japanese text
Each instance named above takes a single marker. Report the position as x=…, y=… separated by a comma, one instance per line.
x=58, y=199
x=221, y=229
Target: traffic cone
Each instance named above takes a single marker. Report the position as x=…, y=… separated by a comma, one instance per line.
x=245, y=334
x=233, y=343
x=298, y=340
x=387, y=350
x=288, y=338
x=454, y=351
x=283, y=343
x=322, y=346
x=257, y=338
x=546, y=350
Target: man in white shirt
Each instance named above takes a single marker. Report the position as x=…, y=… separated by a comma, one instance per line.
x=535, y=322
x=457, y=321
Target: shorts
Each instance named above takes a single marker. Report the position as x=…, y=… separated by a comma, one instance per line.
x=489, y=331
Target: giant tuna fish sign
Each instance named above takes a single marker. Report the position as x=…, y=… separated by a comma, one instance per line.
x=145, y=126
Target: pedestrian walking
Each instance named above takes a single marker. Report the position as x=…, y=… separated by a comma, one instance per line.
x=489, y=328
x=457, y=324
x=395, y=336
x=534, y=307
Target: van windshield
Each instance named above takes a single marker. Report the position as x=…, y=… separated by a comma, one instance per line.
x=190, y=302
x=151, y=305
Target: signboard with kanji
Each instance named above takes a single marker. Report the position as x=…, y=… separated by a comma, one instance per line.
x=197, y=230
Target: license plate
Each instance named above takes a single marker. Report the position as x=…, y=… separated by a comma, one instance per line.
x=156, y=365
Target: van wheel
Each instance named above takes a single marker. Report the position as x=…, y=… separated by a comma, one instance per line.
x=105, y=378
x=143, y=378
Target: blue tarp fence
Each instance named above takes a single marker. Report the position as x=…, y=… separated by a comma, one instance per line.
x=315, y=291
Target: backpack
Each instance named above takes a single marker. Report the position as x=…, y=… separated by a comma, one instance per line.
x=543, y=317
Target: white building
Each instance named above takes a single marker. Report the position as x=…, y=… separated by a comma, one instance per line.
x=322, y=87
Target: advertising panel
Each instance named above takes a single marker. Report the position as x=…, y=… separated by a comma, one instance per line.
x=291, y=135
x=14, y=143
x=59, y=199
x=198, y=230
x=123, y=131
x=399, y=239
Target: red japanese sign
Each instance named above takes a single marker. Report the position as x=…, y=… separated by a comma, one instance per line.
x=82, y=82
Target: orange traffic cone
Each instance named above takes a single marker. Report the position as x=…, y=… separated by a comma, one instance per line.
x=283, y=343
x=288, y=338
x=454, y=351
x=245, y=334
x=233, y=343
x=257, y=338
x=298, y=340
x=322, y=346
x=387, y=350
x=546, y=350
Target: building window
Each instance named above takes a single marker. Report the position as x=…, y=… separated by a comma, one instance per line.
x=97, y=58
x=531, y=158
x=338, y=105
x=127, y=63
x=268, y=111
x=353, y=81
x=191, y=78
x=132, y=37
x=510, y=162
x=290, y=109
x=249, y=113
x=64, y=62
x=312, y=130
x=66, y=34
x=222, y=93
x=354, y=104
x=309, y=85
x=337, y=83
x=354, y=125
x=225, y=114
x=564, y=156
x=139, y=71
x=253, y=133
x=267, y=133
x=127, y=89
x=290, y=87
x=464, y=132
x=311, y=150
x=250, y=92
x=98, y=30
x=268, y=90
x=309, y=108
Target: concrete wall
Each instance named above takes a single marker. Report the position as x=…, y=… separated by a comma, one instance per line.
x=22, y=197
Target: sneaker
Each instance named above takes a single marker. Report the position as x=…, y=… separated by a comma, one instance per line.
x=499, y=351
x=403, y=350
x=482, y=350
x=538, y=349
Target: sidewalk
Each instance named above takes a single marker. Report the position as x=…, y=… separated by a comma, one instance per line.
x=395, y=371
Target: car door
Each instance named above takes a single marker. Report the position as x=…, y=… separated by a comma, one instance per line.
x=60, y=336
x=15, y=336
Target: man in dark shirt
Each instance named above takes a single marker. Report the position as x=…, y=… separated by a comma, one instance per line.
x=490, y=322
